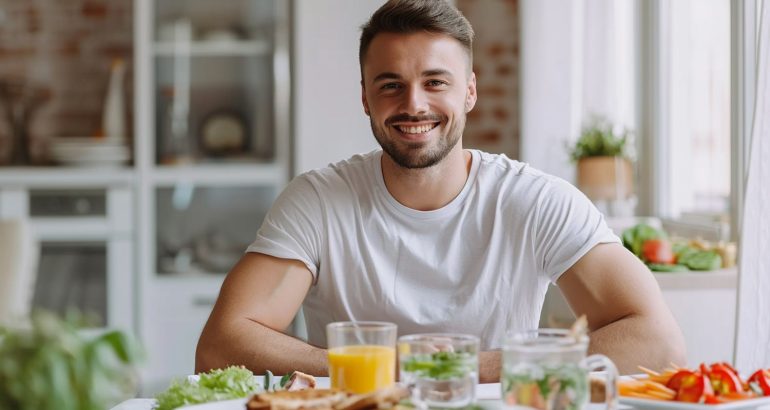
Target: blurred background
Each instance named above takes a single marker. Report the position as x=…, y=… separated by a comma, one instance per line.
x=142, y=142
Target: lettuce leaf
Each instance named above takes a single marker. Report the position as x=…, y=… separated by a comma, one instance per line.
x=233, y=382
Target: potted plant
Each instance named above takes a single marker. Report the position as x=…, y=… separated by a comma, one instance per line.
x=50, y=363
x=604, y=167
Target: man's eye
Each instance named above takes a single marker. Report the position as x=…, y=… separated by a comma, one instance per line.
x=435, y=83
x=391, y=86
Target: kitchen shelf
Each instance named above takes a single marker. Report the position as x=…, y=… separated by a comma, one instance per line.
x=694, y=280
x=61, y=176
x=218, y=174
x=212, y=49
x=75, y=228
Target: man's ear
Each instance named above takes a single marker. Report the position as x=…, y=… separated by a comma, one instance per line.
x=470, y=95
x=363, y=98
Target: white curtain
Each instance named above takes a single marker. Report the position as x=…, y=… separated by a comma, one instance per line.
x=753, y=330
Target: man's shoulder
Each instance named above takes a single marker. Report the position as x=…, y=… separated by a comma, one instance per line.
x=357, y=164
x=347, y=176
x=502, y=167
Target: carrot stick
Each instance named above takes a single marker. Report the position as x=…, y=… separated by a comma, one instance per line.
x=643, y=396
x=650, y=385
x=648, y=371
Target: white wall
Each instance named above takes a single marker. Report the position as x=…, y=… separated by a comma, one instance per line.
x=576, y=61
x=329, y=122
x=549, y=83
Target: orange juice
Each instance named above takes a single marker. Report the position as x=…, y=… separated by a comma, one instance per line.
x=362, y=369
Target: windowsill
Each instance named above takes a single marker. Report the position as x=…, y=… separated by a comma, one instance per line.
x=698, y=280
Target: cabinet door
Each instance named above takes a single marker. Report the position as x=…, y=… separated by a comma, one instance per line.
x=217, y=91
x=176, y=311
x=204, y=230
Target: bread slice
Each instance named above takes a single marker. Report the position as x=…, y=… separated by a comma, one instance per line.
x=327, y=399
x=310, y=399
x=384, y=398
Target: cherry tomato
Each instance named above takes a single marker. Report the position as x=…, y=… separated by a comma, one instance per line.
x=658, y=251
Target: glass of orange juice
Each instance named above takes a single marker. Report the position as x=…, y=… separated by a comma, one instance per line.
x=362, y=355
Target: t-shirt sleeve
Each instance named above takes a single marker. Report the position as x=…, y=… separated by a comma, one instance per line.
x=291, y=229
x=568, y=226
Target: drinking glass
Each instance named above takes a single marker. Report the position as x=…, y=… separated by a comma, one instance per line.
x=362, y=355
x=548, y=369
x=441, y=370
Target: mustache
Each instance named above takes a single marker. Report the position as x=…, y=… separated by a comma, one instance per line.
x=414, y=118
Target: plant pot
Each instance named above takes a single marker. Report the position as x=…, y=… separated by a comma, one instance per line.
x=605, y=178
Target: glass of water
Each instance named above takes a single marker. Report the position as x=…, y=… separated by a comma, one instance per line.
x=547, y=369
x=441, y=370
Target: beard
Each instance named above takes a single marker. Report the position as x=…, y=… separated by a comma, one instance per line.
x=417, y=155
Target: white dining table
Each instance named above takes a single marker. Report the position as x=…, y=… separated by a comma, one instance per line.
x=488, y=396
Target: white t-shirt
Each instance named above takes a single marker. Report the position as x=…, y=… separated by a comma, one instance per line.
x=480, y=265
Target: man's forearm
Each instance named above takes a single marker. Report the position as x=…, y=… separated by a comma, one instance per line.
x=639, y=341
x=259, y=348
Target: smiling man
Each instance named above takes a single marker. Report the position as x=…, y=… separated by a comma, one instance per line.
x=427, y=234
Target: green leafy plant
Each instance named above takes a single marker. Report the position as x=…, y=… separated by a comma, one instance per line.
x=50, y=364
x=599, y=139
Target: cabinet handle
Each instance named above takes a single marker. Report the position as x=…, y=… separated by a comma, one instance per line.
x=204, y=301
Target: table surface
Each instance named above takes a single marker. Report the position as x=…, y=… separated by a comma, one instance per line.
x=488, y=395
x=147, y=404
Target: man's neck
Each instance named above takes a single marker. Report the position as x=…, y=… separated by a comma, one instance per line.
x=428, y=189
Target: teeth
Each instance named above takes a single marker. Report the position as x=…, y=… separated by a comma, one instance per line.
x=416, y=130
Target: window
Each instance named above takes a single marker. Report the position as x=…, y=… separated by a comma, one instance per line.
x=686, y=147
x=697, y=147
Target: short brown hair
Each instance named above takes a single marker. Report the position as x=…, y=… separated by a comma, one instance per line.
x=411, y=16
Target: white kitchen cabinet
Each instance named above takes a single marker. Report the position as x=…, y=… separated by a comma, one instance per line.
x=213, y=118
x=84, y=224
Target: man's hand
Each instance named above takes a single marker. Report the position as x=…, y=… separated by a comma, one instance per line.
x=490, y=365
x=627, y=316
x=258, y=301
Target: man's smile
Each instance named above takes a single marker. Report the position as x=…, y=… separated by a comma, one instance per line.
x=415, y=130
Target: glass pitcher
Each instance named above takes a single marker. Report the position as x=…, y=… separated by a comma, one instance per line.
x=548, y=369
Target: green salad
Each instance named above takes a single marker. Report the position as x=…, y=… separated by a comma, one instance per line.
x=222, y=384
x=440, y=365
x=563, y=387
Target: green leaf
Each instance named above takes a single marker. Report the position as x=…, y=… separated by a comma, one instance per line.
x=285, y=379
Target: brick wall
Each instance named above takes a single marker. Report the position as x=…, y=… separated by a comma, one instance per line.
x=66, y=47
x=494, y=124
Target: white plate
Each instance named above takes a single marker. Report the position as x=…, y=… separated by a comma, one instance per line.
x=237, y=404
x=644, y=404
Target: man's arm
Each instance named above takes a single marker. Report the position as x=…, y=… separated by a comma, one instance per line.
x=258, y=301
x=490, y=366
x=627, y=316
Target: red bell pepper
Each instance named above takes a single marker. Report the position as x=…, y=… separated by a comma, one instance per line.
x=690, y=386
x=762, y=378
x=724, y=381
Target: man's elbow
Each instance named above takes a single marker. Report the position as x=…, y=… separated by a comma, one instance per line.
x=205, y=356
x=675, y=347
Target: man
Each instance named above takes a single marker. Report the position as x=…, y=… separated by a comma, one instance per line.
x=427, y=234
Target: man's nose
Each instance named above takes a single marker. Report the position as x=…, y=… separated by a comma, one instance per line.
x=415, y=101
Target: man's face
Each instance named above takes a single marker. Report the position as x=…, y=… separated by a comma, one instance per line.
x=417, y=89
